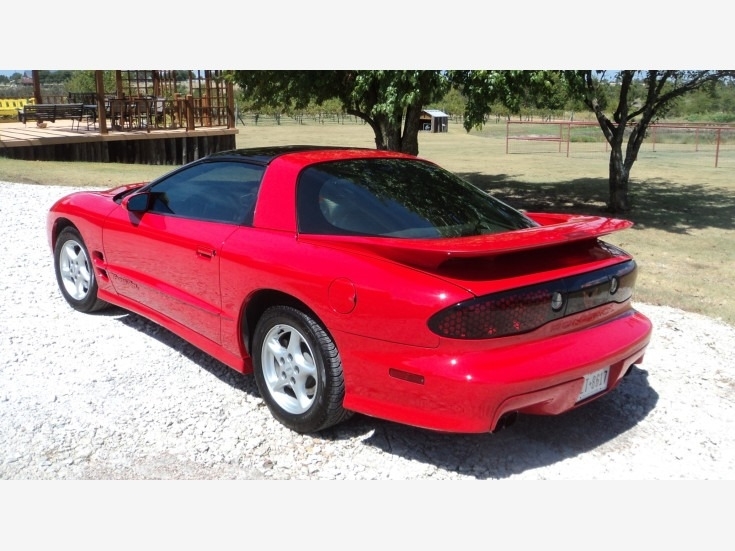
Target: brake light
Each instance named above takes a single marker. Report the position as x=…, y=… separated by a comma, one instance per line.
x=528, y=308
x=496, y=315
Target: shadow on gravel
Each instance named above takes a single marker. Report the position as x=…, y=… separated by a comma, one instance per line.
x=191, y=352
x=532, y=442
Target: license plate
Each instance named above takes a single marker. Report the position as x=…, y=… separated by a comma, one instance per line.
x=594, y=383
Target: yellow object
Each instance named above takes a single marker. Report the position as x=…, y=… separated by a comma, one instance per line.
x=9, y=106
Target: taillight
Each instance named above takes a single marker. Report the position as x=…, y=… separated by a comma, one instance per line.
x=528, y=308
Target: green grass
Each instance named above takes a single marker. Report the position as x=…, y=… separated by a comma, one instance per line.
x=684, y=207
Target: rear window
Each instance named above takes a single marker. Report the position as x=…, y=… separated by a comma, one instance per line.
x=397, y=198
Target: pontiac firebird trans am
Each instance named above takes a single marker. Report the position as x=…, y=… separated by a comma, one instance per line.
x=356, y=280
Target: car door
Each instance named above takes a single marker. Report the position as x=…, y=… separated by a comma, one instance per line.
x=166, y=257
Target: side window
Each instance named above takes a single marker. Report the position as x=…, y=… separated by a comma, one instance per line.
x=221, y=191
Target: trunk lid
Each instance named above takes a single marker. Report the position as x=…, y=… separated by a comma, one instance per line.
x=560, y=246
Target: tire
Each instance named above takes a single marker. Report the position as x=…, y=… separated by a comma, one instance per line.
x=298, y=370
x=75, y=273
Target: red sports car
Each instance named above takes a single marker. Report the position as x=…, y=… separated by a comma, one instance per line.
x=356, y=280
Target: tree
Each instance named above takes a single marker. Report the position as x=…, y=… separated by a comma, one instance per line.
x=515, y=91
x=633, y=113
x=642, y=98
x=55, y=77
x=389, y=101
x=453, y=103
x=84, y=81
x=715, y=105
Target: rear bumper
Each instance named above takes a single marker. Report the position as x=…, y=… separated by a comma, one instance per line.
x=465, y=386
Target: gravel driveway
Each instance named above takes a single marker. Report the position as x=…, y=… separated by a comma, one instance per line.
x=113, y=396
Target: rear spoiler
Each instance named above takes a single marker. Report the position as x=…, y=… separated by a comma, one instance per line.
x=553, y=229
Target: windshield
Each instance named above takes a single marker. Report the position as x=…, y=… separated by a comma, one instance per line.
x=398, y=198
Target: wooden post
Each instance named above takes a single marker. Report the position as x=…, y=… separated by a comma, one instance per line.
x=206, y=99
x=156, y=83
x=37, y=87
x=230, y=105
x=119, y=84
x=189, y=112
x=176, y=120
x=101, y=114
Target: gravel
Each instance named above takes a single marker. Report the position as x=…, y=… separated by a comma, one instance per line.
x=113, y=396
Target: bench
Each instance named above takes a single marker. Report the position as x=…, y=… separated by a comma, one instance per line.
x=52, y=112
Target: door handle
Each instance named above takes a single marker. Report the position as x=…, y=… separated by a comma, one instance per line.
x=206, y=253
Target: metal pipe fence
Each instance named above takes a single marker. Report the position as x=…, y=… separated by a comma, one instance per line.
x=586, y=137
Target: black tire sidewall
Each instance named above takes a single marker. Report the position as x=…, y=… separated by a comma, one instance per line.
x=90, y=302
x=318, y=414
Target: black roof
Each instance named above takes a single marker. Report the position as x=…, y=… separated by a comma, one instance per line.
x=264, y=155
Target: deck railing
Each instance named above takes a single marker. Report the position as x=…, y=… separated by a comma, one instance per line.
x=158, y=113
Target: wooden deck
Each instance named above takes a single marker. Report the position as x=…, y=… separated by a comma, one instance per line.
x=58, y=142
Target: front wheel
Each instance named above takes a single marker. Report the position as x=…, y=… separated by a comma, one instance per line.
x=75, y=273
x=298, y=370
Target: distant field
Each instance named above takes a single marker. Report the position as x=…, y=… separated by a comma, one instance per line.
x=684, y=207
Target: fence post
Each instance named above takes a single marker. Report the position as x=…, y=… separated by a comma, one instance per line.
x=561, y=135
x=653, y=127
x=717, y=149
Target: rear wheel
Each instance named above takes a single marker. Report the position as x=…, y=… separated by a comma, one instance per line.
x=298, y=370
x=74, y=272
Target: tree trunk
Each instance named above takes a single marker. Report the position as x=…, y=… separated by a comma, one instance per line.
x=374, y=124
x=391, y=133
x=388, y=134
x=411, y=126
x=619, y=174
x=379, y=136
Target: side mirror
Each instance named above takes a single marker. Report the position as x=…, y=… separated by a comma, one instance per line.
x=138, y=202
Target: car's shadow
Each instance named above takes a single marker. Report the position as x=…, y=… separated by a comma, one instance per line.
x=532, y=442
x=186, y=349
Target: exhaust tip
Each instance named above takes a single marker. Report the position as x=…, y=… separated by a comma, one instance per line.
x=506, y=420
